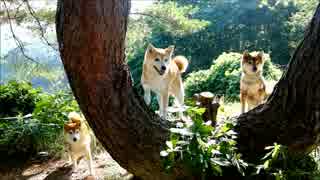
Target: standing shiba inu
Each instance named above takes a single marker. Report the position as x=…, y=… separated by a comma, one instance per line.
x=162, y=74
x=78, y=140
x=252, y=84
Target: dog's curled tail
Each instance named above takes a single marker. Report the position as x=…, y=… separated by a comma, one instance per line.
x=181, y=62
x=74, y=116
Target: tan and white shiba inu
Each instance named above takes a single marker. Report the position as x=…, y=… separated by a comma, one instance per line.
x=78, y=140
x=162, y=74
x=252, y=84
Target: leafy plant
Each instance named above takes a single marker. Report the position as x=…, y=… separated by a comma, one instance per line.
x=206, y=150
x=282, y=164
x=23, y=137
x=54, y=108
x=17, y=98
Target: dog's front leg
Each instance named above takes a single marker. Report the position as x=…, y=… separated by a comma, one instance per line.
x=89, y=157
x=147, y=95
x=74, y=160
x=69, y=158
x=160, y=101
x=243, y=102
x=164, y=104
x=180, y=100
x=250, y=107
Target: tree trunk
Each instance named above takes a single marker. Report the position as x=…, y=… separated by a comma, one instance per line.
x=91, y=37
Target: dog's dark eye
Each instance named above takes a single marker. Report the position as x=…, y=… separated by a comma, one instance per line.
x=250, y=62
x=166, y=60
x=70, y=132
x=157, y=59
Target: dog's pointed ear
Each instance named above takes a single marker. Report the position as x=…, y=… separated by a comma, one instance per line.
x=66, y=127
x=260, y=55
x=170, y=49
x=78, y=122
x=246, y=55
x=150, y=48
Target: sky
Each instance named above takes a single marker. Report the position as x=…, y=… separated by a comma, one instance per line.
x=7, y=42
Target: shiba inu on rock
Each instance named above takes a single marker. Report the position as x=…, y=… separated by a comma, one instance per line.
x=78, y=140
x=252, y=84
x=161, y=74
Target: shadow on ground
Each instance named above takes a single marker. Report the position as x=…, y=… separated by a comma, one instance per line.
x=58, y=169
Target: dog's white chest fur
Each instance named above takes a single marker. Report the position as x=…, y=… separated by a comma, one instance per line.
x=79, y=148
x=251, y=88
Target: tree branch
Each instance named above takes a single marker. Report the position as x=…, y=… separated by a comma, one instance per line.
x=17, y=40
x=41, y=29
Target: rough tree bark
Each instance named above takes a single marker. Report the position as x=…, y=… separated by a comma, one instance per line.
x=91, y=37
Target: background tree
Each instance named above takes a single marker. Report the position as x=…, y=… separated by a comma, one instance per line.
x=93, y=54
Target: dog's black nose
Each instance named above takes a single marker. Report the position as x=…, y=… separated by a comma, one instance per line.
x=163, y=68
x=254, y=68
x=74, y=139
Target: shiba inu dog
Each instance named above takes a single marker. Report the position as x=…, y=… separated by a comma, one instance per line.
x=252, y=84
x=162, y=74
x=78, y=140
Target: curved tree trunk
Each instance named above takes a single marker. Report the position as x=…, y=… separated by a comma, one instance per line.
x=91, y=37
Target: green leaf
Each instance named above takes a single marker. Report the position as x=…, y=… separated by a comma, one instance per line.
x=267, y=155
x=220, y=161
x=266, y=164
x=164, y=153
x=169, y=144
x=269, y=147
x=181, y=131
x=217, y=169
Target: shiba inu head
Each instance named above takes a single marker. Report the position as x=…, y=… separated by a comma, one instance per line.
x=72, y=130
x=158, y=58
x=252, y=64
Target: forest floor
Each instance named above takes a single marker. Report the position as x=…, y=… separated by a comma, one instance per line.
x=59, y=169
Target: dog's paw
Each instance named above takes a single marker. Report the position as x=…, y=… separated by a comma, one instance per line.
x=68, y=164
x=90, y=177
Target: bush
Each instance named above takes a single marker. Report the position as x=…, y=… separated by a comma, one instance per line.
x=223, y=77
x=54, y=108
x=17, y=98
x=22, y=138
x=280, y=163
x=206, y=150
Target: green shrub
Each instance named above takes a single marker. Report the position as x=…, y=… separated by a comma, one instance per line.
x=54, y=108
x=43, y=131
x=206, y=150
x=223, y=77
x=282, y=164
x=23, y=138
x=17, y=98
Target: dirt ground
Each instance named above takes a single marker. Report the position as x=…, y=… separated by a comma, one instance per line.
x=58, y=169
